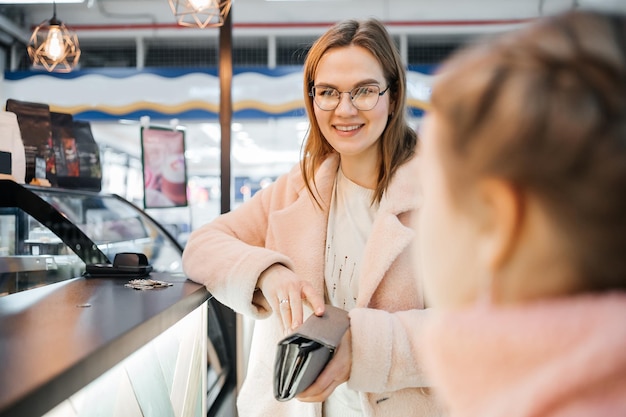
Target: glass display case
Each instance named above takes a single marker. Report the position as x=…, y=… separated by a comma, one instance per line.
x=49, y=235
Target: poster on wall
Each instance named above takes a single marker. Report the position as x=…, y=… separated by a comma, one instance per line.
x=164, y=168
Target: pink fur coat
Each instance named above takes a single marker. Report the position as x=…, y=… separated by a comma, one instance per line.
x=282, y=224
x=556, y=358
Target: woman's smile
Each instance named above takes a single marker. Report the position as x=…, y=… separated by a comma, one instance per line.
x=348, y=128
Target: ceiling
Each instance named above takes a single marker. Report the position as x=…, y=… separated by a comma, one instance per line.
x=115, y=18
x=273, y=143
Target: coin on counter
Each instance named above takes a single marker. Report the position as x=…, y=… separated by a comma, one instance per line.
x=147, y=284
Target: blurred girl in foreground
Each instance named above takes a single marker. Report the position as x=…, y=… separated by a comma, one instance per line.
x=523, y=227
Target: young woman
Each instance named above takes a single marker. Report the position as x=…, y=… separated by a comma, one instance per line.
x=337, y=230
x=523, y=227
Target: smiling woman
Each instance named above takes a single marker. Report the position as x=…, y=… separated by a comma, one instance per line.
x=334, y=230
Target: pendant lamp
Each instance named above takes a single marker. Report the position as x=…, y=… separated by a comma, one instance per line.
x=200, y=13
x=53, y=46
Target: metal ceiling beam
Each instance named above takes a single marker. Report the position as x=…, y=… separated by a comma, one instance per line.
x=13, y=30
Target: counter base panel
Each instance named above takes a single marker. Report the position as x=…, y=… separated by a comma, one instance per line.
x=163, y=378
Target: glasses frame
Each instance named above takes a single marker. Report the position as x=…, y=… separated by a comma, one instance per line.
x=381, y=93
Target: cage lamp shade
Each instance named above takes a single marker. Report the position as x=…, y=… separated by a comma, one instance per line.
x=54, y=47
x=200, y=13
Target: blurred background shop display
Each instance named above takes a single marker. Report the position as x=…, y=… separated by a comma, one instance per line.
x=136, y=62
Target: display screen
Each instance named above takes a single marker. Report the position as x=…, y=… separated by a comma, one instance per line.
x=164, y=168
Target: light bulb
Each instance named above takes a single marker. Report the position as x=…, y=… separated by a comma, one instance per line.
x=54, y=48
x=199, y=5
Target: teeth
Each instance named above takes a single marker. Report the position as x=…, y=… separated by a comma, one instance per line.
x=347, y=128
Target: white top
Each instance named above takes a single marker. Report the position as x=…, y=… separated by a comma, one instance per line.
x=349, y=224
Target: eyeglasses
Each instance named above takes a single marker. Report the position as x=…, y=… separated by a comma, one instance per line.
x=364, y=97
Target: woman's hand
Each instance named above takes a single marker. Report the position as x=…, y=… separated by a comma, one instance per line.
x=336, y=372
x=286, y=294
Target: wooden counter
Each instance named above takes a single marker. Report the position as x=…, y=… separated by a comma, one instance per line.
x=56, y=339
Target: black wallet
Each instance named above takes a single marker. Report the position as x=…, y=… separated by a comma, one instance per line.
x=302, y=356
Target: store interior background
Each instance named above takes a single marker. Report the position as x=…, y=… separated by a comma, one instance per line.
x=142, y=35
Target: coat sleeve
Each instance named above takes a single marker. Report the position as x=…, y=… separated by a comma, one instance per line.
x=389, y=358
x=228, y=254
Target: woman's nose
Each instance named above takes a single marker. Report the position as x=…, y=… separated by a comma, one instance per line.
x=345, y=104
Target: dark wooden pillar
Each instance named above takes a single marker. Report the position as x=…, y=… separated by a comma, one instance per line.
x=226, y=107
x=229, y=320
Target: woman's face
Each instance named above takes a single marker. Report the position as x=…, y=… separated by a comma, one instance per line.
x=352, y=132
x=447, y=233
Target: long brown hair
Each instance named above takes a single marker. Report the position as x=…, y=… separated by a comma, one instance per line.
x=398, y=141
x=545, y=109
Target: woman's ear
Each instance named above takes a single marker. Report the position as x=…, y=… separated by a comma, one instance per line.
x=502, y=212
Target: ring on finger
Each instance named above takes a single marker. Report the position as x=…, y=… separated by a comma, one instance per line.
x=284, y=301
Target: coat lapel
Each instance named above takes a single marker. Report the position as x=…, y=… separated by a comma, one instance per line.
x=389, y=235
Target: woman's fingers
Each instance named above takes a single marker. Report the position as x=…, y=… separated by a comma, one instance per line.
x=291, y=310
x=315, y=299
x=336, y=372
x=286, y=295
x=324, y=385
x=305, y=295
x=318, y=397
x=284, y=310
x=296, y=311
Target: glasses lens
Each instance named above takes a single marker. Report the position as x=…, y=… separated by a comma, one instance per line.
x=365, y=97
x=327, y=98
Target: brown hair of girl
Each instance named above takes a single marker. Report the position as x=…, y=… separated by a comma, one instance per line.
x=545, y=109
